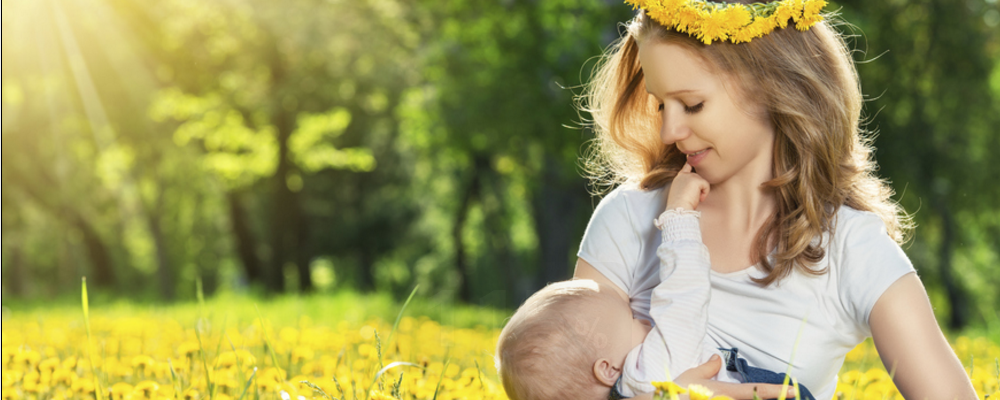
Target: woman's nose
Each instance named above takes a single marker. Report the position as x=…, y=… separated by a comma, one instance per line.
x=674, y=127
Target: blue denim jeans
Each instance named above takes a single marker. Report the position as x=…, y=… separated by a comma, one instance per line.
x=750, y=374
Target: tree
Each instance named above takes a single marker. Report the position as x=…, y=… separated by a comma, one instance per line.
x=934, y=124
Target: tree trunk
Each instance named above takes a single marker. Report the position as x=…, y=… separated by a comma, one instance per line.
x=246, y=241
x=282, y=198
x=97, y=252
x=13, y=276
x=281, y=210
x=498, y=230
x=164, y=272
x=461, y=261
x=556, y=205
x=302, y=254
x=958, y=299
x=367, y=269
x=100, y=260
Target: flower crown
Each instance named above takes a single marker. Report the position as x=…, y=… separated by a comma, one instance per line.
x=738, y=23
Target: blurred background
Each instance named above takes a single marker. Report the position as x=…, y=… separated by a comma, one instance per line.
x=312, y=146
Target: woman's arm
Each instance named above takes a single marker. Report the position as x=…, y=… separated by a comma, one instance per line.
x=586, y=271
x=912, y=346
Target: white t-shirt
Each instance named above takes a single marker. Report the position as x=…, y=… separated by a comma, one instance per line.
x=762, y=322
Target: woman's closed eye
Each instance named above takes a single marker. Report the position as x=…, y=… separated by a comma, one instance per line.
x=695, y=108
x=690, y=110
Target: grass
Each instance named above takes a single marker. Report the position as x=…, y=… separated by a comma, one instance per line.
x=327, y=346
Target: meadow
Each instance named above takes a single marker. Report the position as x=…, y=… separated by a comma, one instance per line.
x=340, y=346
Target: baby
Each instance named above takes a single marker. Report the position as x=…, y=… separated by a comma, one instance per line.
x=578, y=339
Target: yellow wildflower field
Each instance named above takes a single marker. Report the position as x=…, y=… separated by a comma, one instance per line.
x=207, y=353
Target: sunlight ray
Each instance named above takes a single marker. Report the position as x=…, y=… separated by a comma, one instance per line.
x=101, y=129
x=94, y=108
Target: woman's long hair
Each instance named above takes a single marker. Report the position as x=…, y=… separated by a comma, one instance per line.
x=808, y=84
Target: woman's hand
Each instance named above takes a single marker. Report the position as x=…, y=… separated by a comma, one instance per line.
x=687, y=190
x=703, y=375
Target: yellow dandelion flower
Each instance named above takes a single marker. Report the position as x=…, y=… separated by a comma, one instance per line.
x=797, y=6
x=367, y=351
x=121, y=390
x=10, y=377
x=661, y=16
x=191, y=394
x=736, y=17
x=813, y=7
x=672, y=5
x=27, y=357
x=145, y=389
x=810, y=14
x=668, y=388
x=83, y=386
x=380, y=395
x=31, y=377
x=35, y=387
x=745, y=34
x=698, y=392
x=188, y=349
x=713, y=27
x=143, y=361
x=63, y=377
x=49, y=365
x=302, y=353
x=782, y=14
x=686, y=20
x=805, y=23
x=452, y=370
x=225, y=360
x=875, y=375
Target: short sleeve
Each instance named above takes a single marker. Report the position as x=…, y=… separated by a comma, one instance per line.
x=869, y=261
x=611, y=244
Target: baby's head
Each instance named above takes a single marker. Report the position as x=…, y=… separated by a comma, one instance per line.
x=567, y=341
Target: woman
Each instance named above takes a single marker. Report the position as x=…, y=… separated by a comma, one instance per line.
x=802, y=236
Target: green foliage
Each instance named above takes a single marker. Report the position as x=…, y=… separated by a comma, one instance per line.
x=312, y=151
x=378, y=144
x=935, y=118
x=235, y=153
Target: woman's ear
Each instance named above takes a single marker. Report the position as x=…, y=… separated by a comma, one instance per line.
x=606, y=372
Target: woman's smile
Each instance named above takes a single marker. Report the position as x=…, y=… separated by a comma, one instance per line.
x=695, y=157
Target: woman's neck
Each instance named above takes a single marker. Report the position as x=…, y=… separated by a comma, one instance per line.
x=743, y=203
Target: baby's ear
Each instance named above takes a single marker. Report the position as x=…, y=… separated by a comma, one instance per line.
x=606, y=372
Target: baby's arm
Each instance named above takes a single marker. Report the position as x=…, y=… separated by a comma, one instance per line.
x=679, y=303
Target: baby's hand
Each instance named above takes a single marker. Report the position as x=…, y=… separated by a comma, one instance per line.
x=687, y=190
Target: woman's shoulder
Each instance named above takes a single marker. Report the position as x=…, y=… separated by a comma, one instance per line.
x=630, y=196
x=628, y=208
x=861, y=246
x=850, y=222
x=865, y=260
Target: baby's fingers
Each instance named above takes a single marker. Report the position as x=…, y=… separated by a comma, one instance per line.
x=686, y=168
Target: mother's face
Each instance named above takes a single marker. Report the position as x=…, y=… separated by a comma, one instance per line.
x=723, y=132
